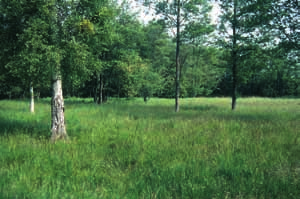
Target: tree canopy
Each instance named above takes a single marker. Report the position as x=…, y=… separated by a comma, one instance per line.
x=104, y=51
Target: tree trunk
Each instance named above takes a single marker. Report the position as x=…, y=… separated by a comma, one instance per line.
x=177, y=81
x=96, y=89
x=38, y=94
x=31, y=99
x=234, y=57
x=234, y=86
x=101, y=89
x=98, y=98
x=58, y=128
x=95, y=94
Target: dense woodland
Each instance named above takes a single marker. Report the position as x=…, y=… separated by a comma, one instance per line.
x=101, y=49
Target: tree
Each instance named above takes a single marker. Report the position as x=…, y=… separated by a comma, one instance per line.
x=27, y=64
x=231, y=15
x=235, y=31
x=261, y=38
x=98, y=32
x=45, y=44
x=65, y=54
x=178, y=14
x=30, y=62
x=120, y=58
x=57, y=16
x=281, y=27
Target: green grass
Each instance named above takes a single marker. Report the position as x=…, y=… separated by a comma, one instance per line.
x=128, y=149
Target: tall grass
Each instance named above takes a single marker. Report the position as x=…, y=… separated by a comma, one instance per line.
x=129, y=149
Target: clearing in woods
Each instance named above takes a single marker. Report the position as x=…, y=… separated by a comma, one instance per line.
x=129, y=149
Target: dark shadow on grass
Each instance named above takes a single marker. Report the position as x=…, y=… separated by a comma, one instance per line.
x=245, y=117
x=200, y=108
x=37, y=130
x=187, y=112
x=162, y=111
x=252, y=117
x=67, y=101
x=4, y=107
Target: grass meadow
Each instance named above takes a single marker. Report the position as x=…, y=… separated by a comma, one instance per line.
x=129, y=149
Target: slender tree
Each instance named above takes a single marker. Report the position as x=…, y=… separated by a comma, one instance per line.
x=177, y=14
x=234, y=54
x=230, y=21
x=235, y=31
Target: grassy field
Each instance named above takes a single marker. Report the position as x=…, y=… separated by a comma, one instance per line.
x=128, y=149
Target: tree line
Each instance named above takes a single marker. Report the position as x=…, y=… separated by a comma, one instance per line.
x=99, y=49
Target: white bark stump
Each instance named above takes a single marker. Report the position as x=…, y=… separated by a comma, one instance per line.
x=31, y=99
x=58, y=128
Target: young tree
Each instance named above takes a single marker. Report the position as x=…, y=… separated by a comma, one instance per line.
x=177, y=15
x=231, y=20
x=236, y=30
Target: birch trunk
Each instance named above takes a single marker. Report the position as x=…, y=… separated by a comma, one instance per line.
x=31, y=99
x=58, y=128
